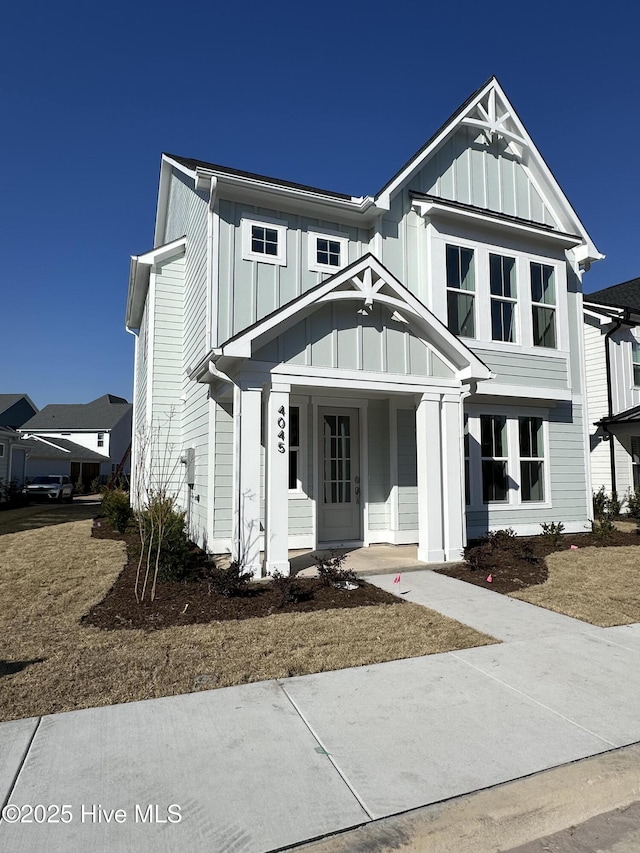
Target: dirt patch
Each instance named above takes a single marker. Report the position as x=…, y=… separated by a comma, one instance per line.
x=195, y=601
x=521, y=563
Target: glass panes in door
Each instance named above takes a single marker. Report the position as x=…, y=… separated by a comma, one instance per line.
x=337, y=459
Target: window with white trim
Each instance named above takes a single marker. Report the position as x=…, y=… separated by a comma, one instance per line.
x=460, y=291
x=328, y=252
x=467, y=472
x=502, y=284
x=531, y=443
x=635, y=358
x=495, y=458
x=294, y=448
x=635, y=462
x=543, y=305
x=264, y=240
x=100, y=439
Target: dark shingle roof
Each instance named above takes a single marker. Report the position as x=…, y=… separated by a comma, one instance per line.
x=103, y=413
x=8, y=400
x=625, y=295
x=61, y=448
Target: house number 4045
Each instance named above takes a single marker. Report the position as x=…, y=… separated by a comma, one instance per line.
x=281, y=427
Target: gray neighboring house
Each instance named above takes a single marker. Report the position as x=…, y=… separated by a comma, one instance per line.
x=15, y=409
x=81, y=440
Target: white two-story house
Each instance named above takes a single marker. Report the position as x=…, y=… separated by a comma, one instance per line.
x=612, y=348
x=404, y=367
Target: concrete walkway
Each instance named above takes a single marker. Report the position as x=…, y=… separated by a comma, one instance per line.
x=272, y=764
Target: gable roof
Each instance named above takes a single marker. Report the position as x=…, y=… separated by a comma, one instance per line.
x=368, y=280
x=624, y=295
x=61, y=448
x=100, y=414
x=8, y=401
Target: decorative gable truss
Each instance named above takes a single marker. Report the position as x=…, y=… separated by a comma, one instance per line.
x=367, y=283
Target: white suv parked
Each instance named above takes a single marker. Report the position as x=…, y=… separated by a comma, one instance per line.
x=54, y=487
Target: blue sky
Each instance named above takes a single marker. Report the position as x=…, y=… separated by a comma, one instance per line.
x=336, y=95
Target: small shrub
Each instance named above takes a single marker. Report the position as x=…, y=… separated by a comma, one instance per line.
x=228, y=582
x=599, y=503
x=78, y=488
x=613, y=505
x=633, y=505
x=289, y=591
x=116, y=508
x=604, y=530
x=553, y=531
x=175, y=549
x=330, y=569
x=502, y=538
x=95, y=485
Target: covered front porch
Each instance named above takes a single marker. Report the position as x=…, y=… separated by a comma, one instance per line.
x=342, y=417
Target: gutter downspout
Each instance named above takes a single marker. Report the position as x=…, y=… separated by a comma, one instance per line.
x=607, y=360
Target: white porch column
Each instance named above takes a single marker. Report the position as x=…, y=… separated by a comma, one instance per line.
x=247, y=412
x=430, y=485
x=453, y=479
x=276, y=527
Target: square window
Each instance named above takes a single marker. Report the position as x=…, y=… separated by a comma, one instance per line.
x=264, y=241
x=327, y=253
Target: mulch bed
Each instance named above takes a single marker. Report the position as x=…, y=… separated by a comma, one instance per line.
x=194, y=601
x=520, y=563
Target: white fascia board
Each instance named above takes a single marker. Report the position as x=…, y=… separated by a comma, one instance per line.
x=139, y=271
x=429, y=208
x=491, y=389
x=164, y=183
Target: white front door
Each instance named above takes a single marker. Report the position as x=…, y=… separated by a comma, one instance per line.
x=339, y=508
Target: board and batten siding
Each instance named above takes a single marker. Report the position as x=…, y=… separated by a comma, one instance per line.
x=540, y=371
x=469, y=169
x=249, y=290
x=338, y=336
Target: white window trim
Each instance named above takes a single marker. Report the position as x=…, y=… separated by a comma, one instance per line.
x=312, y=249
x=514, y=500
x=474, y=293
x=635, y=345
x=302, y=490
x=438, y=239
x=278, y=225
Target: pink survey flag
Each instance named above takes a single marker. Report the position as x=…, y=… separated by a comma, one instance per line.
x=574, y=547
x=396, y=579
x=490, y=579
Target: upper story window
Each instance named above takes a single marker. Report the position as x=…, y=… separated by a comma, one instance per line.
x=635, y=357
x=1, y=450
x=543, y=304
x=264, y=240
x=100, y=439
x=461, y=291
x=328, y=252
x=502, y=283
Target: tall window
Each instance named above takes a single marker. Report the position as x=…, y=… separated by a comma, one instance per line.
x=543, y=298
x=531, y=459
x=635, y=462
x=100, y=439
x=467, y=485
x=493, y=443
x=460, y=291
x=502, y=280
x=294, y=447
x=635, y=355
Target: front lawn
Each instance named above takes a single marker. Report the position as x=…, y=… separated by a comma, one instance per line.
x=50, y=661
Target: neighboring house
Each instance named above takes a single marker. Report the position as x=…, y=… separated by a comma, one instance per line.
x=82, y=440
x=15, y=409
x=612, y=350
x=406, y=367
